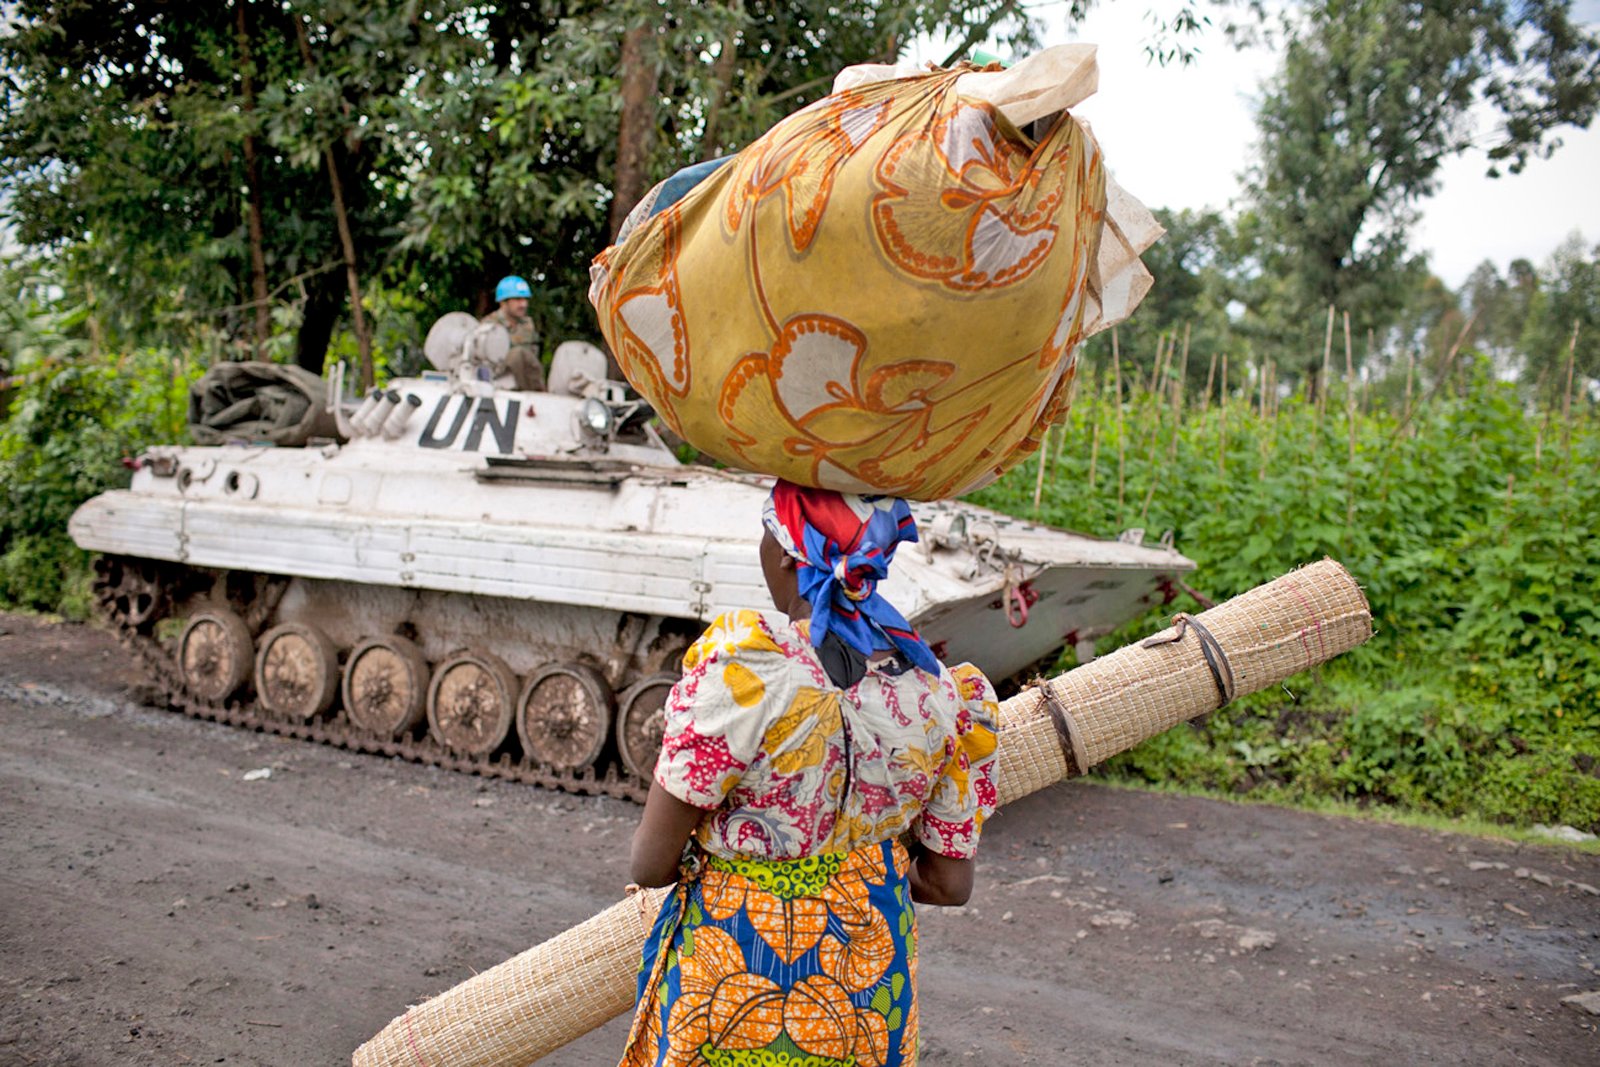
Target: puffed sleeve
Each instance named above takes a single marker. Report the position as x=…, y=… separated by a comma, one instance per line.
x=965, y=794
x=717, y=713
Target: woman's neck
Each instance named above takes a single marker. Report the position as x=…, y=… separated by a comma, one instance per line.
x=798, y=609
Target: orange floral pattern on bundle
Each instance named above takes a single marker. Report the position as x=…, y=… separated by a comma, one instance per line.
x=884, y=293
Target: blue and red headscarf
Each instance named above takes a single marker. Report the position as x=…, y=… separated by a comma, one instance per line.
x=844, y=544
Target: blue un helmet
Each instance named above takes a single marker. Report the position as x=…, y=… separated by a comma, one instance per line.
x=511, y=287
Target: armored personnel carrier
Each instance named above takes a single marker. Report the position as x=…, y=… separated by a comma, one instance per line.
x=504, y=582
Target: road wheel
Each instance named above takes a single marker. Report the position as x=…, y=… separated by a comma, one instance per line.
x=470, y=702
x=385, y=686
x=297, y=671
x=641, y=723
x=135, y=586
x=564, y=716
x=215, y=654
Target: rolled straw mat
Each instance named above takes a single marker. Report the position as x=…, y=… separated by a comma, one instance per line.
x=556, y=992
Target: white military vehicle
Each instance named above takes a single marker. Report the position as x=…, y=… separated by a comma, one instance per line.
x=504, y=582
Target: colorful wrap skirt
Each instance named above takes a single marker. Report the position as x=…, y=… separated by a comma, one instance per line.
x=790, y=963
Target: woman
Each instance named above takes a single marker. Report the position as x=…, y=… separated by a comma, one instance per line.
x=805, y=751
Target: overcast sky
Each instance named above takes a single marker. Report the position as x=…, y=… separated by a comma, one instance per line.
x=1180, y=137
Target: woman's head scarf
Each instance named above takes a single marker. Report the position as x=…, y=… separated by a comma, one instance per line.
x=844, y=544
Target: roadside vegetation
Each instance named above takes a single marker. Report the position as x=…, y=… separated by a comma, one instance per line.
x=316, y=183
x=1470, y=515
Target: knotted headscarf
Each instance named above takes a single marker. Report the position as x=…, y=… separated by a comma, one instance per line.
x=844, y=544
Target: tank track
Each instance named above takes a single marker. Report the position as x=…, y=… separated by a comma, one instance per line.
x=338, y=731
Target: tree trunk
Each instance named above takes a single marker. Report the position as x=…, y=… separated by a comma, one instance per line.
x=321, y=311
x=640, y=83
x=347, y=243
x=352, y=277
x=252, y=177
x=722, y=74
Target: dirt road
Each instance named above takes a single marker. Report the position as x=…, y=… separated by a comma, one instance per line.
x=159, y=907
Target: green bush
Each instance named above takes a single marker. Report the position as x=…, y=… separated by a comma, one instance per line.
x=72, y=418
x=1474, y=527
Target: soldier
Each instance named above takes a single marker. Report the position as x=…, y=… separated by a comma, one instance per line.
x=523, y=358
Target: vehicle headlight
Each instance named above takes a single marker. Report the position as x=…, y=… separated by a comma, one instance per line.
x=596, y=416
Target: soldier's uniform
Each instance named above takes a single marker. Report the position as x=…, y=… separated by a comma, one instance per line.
x=523, y=358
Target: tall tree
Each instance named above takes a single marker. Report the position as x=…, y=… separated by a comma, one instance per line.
x=1196, y=271
x=416, y=151
x=1500, y=306
x=127, y=140
x=1372, y=97
x=1563, y=322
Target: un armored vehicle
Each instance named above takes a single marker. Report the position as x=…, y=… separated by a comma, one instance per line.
x=504, y=582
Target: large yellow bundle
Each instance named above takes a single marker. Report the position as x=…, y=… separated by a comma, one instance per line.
x=886, y=291
x=556, y=992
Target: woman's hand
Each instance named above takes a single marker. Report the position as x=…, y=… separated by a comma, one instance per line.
x=940, y=880
x=659, y=840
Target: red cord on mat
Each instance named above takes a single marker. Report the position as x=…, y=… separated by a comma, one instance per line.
x=411, y=1039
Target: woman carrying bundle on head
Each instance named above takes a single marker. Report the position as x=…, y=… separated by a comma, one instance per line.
x=825, y=771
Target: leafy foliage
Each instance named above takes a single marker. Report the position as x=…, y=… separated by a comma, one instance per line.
x=470, y=141
x=1372, y=97
x=73, y=416
x=1563, y=319
x=1473, y=526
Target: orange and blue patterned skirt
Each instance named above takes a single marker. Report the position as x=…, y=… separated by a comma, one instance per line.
x=789, y=963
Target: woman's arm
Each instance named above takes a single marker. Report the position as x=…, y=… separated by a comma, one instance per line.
x=940, y=880
x=662, y=833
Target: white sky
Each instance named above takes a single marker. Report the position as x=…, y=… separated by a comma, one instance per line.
x=1179, y=137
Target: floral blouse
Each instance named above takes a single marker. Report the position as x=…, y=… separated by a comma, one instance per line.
x=791, y=766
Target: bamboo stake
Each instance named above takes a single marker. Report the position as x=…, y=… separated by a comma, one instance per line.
x=1116, y=374
x=1094, y=446
x=1222, y=437
x=1211, y=377
x=1350, y=421
x=1149, y=437
x=1546, y=413
x=1327, y=366
x=1261, y=440
x=1261, y=383
x=1178, y=402
x=1349, y=384
x=1044, y=456
x=1366, y=377
x=1155, y=371
x=1450, y=360
x=1411, y=368
x=1164, y=365
x=1566, y=403
x=1272, y=421
x=1183, y=376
